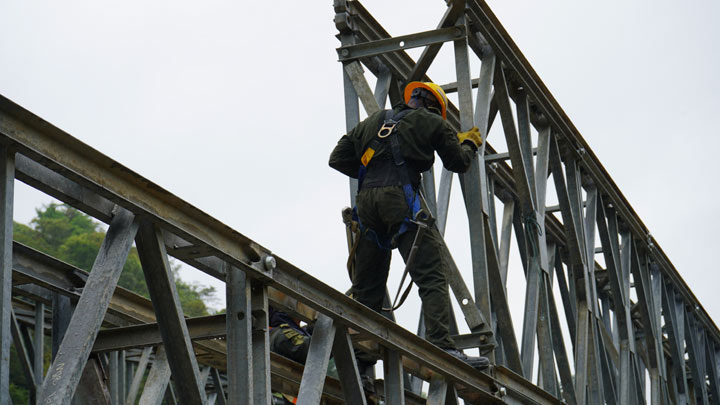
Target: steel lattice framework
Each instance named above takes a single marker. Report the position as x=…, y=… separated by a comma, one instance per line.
x=629, y=320
x=617, y=342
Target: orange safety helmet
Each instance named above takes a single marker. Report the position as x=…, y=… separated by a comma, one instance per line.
x=433, y=88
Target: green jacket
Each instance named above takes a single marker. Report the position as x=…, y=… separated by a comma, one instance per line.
x=421, y=133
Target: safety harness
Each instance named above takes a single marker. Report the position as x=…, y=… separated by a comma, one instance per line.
x=419, y=219
x=388, y=133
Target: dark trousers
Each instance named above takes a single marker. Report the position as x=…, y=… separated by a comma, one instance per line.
x=383, y=209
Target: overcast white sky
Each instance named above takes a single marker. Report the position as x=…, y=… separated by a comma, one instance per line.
x=235, y=106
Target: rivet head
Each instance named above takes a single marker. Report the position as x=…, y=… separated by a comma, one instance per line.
x=345, y=52
x=458, y=32
x=270, y=263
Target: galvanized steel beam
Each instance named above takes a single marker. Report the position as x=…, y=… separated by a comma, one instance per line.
x=138, y=376
x=348, y=373
x=217, y=383
x=260, y=343
x=23, y=355
x=7, y=179
x=68, y=365
x=138, y=336
x=169, y=314
x=239, y=337
x=378, y=47
x=317, y=361
x=158, y=379
x=454, y=10
x=92, y=388
x=39, y=342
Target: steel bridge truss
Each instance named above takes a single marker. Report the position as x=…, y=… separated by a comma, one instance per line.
x=629, y=321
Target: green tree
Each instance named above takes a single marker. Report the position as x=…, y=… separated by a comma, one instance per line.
x=74, y=237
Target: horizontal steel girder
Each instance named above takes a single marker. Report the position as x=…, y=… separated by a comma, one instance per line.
x=77, y=162
x=395, y=44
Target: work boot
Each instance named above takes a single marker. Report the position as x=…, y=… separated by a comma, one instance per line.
x=476, y=362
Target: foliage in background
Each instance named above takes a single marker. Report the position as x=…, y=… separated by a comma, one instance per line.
x=74, y=237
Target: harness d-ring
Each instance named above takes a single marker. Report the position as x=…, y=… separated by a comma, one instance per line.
x=386, y=129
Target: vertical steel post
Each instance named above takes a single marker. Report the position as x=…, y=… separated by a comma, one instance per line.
x=113, y=376
x=382, y=88
x=713, y=366
x=673, y=310
x=122, y=364
x=7, y=180
x=129, y=377
x=260, y=344
x=394, y=384
x=352, y=107
x=696, y=359
x=62, y=310
x=616, y=259
x=482, y=116
x=239, y=336
x=39, y=342
x=594, y=377
x=561, y=356
x=545, y=341
x=473, y=195
x=437, y=392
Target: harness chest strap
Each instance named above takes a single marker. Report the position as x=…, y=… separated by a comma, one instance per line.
x=387, y=127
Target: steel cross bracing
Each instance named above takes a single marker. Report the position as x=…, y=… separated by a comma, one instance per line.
x=52, y=161
x=630, y=320
x=88, y=312
x=630, y=317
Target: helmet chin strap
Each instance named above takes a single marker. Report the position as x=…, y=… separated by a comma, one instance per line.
x=426, y=100
x=435, y=110
x=429, y=104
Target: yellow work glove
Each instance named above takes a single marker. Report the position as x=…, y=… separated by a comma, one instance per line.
x=472, y=137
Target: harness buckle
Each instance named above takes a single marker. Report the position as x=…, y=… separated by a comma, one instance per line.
x=386, y=129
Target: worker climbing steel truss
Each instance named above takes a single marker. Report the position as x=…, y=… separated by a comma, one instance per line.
x=616, y=343
x=630, y=320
